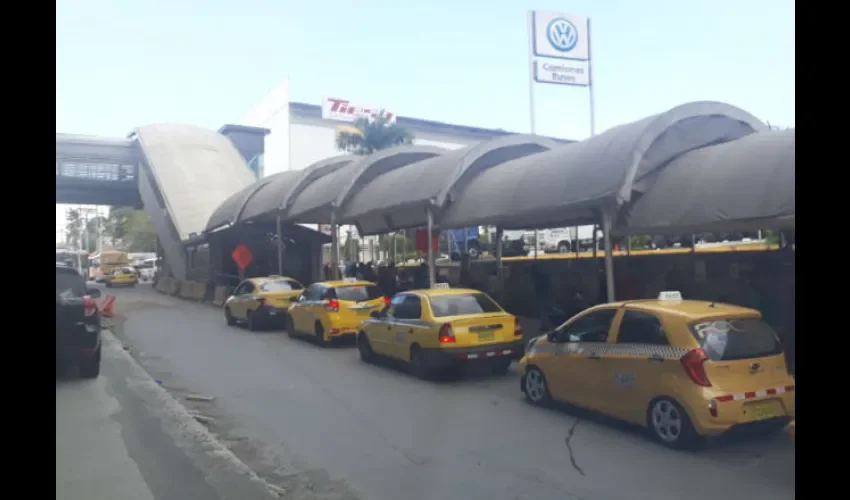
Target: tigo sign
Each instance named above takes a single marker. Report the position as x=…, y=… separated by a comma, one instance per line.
x=347, y=111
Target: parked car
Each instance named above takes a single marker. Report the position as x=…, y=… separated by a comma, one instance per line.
x=77, y=324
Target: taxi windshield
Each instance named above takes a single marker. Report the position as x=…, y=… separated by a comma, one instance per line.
x=357, y=293
x=281, y=286
x=467, y=303
x=736, y=338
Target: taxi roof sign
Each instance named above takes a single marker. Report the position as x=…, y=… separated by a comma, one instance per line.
x=349, y=280
x=440, y=285
x=670, y=295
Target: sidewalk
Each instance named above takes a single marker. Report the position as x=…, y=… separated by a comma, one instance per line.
x=92, y=460
x=122, y=437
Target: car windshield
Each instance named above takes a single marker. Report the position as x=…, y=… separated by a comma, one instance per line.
x=281, y=286
x=468, y=303
x=69, y=284
x=358, y=293
x=736, y=338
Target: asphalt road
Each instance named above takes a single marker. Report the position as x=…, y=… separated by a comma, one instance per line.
x=121, y=436
x=319, y=420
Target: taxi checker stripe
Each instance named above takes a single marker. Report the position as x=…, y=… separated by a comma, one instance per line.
x=773, y=391
x=488, y=354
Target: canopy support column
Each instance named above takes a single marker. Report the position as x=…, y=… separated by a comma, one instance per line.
x=607, y=223
x=279, y=248
x=334, y=247
x=395, y=247
x=432, y=270
x=500, y=246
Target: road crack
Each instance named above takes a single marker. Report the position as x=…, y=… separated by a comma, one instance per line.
x=567, y=441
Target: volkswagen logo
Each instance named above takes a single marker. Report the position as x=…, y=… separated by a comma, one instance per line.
x=562, y=34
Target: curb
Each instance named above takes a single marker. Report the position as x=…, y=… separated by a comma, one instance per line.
x=223, y=470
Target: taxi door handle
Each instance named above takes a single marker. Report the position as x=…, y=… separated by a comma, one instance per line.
x=594, y=356
x=656, y=357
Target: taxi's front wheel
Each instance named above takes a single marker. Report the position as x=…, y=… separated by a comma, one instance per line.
x=671, y=425
x=364, y=348
x=535, y=388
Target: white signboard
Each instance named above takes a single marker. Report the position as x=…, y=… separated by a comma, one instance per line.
x=347, y=111
x=562, y=36
x=562, y=72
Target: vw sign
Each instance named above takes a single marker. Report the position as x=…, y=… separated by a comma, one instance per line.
x=561, y=36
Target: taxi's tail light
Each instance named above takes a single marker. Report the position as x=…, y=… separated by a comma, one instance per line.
x=89, y=306
x=386, y=300
x=517, y=327
x=447, y=335
x=694, y=364
x=332, y=305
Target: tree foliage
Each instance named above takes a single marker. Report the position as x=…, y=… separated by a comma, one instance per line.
x=124, y=228
x=372, y=134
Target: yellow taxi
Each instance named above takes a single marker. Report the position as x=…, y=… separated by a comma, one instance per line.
x=685, y=369
x=333, y=309
x=124, y=276
x=261, y=302
x=442, y=328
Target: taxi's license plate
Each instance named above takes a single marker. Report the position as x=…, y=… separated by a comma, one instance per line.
x=485, y=336
x=764, y=411
x=362, y=312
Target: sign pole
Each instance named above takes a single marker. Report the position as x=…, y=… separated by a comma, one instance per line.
x=590, y=82
x=531, y=117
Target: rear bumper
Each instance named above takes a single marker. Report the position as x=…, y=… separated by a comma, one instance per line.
x=739, y=417
x=77, y=344
x=271, y=314
x=442, y=357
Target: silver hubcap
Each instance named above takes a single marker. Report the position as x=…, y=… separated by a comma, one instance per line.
x=535, y=386
x=667, y=421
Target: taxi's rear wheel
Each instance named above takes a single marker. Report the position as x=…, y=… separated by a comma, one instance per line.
x=367, y=355
x=252, y=322
x=418, y=365
x=535, y=387
x=671, y=425
x=287, y=325
x=320, y=334
x=228, y=317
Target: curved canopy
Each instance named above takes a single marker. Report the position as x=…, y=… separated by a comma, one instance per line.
x=565, y=186
x=314, y=201
x=397, y=199
x=742, y=185
x=228, y=212
x=272, y=196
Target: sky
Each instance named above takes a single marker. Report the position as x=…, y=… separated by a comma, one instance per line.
x=121, y=63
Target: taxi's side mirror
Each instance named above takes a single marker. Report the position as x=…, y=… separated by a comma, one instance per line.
x=375, y=314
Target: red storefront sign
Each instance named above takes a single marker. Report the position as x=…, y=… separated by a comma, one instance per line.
x=422, y=240
x=242, y=256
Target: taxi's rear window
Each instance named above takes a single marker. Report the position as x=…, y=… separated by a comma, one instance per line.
x=281, y=286
x=356, y=293
x=736, y=338
x=467, y=303
x=69, y=284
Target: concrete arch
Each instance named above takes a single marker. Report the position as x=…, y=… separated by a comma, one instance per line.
x=180, y=158
x=229, y=211
x=743, y=185
x=398, y=198
x=315, y=200
x=567, y=185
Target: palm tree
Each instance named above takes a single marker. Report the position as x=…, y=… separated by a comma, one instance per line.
x=372, y=134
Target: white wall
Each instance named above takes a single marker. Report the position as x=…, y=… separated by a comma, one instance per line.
x=273, y=113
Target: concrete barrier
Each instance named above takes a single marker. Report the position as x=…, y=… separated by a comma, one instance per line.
x=220, y=295
x=185, y=290
x=164, y=284
x=197, y=291
x=173, y=288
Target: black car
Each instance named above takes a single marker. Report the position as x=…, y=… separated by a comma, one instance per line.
x=77, y=324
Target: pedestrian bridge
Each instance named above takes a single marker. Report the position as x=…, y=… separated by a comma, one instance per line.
x=178, y=173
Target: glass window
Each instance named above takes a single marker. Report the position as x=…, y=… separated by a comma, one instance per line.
x=69, y=284
x=736, y=338
x=460, y=304
x=281, y=286
x=591, y=327
x=357, y=293
x=639, y=327
x=409, y=308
